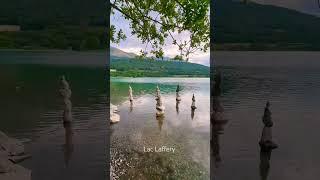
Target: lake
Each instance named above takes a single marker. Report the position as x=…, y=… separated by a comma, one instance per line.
x=291, y=82
x=139, y=128
x=31, y=108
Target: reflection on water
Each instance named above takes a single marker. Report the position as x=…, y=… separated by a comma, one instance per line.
x=192, y=113
x=264, y=167
x=31, y=108
x=177, y=106
x=68, y=146
x=160, y=120
x=142, y=128
x=131, y=106
x=291, y=81
x=218, y=121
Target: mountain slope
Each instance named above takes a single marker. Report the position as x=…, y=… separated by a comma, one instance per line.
x=119, y=53
x=255, y=26
x=34, y=14
x=127, y=66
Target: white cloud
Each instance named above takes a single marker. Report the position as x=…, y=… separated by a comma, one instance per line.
x=134, y=45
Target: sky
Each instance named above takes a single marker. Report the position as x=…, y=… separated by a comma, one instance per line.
x=133, y=44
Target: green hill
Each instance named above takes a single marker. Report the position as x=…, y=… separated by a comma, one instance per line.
x=240, y=26
x=38, y=14
x=131, y=67
x=54, y=24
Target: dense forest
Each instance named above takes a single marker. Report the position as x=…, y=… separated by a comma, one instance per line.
x=54, y=24
x=252, y=26
x=132, y=67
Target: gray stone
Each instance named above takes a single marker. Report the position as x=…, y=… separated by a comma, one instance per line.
x=16, y=172
x=114, y=117
x=193, y=105
x=10, y=145
x=130, y=94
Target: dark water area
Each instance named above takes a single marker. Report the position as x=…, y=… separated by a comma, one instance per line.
x=291, y=82
x=31, y=109
x=188, y=132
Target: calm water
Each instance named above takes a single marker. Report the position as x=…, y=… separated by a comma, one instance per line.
x=139, y=128
x=291, y=82
x=31, y=108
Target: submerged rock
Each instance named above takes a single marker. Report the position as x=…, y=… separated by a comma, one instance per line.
x=11, y=152
x=159, y=106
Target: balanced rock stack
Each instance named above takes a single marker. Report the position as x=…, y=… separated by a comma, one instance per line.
x=130, y=94
x=266, y=142
x=178, y=98
x=65, y=92
x=159, y=106
x=114, y=117
x=193, y=104
x=157, y=92
x=12, y=152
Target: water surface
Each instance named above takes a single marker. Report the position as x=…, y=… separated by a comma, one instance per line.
x=31, y=109
x=139, y=127
x=291, y=82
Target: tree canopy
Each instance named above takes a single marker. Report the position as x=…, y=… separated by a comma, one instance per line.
x=155, y=21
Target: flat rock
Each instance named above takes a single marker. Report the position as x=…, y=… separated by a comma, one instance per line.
x=11, y=145
x=114, y=118
x=17, y=159
x=16, y=172
x=5, y=164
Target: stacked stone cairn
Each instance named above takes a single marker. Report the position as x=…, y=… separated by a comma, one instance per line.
x=65, y=92
x=159, y=106
x=266, y=143
x=193, y=104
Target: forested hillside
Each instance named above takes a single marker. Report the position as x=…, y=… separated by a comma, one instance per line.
x=263, y=27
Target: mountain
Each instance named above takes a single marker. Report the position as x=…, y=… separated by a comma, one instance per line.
x=127, y=65
x=252, y=26
x=115, y=52
x=38, y=14
x=119, y=53
x=131, y=67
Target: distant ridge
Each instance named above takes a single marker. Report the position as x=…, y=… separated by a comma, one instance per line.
x=119, y=53
x=115, y=52
x=128, y=65
x=240, y=26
